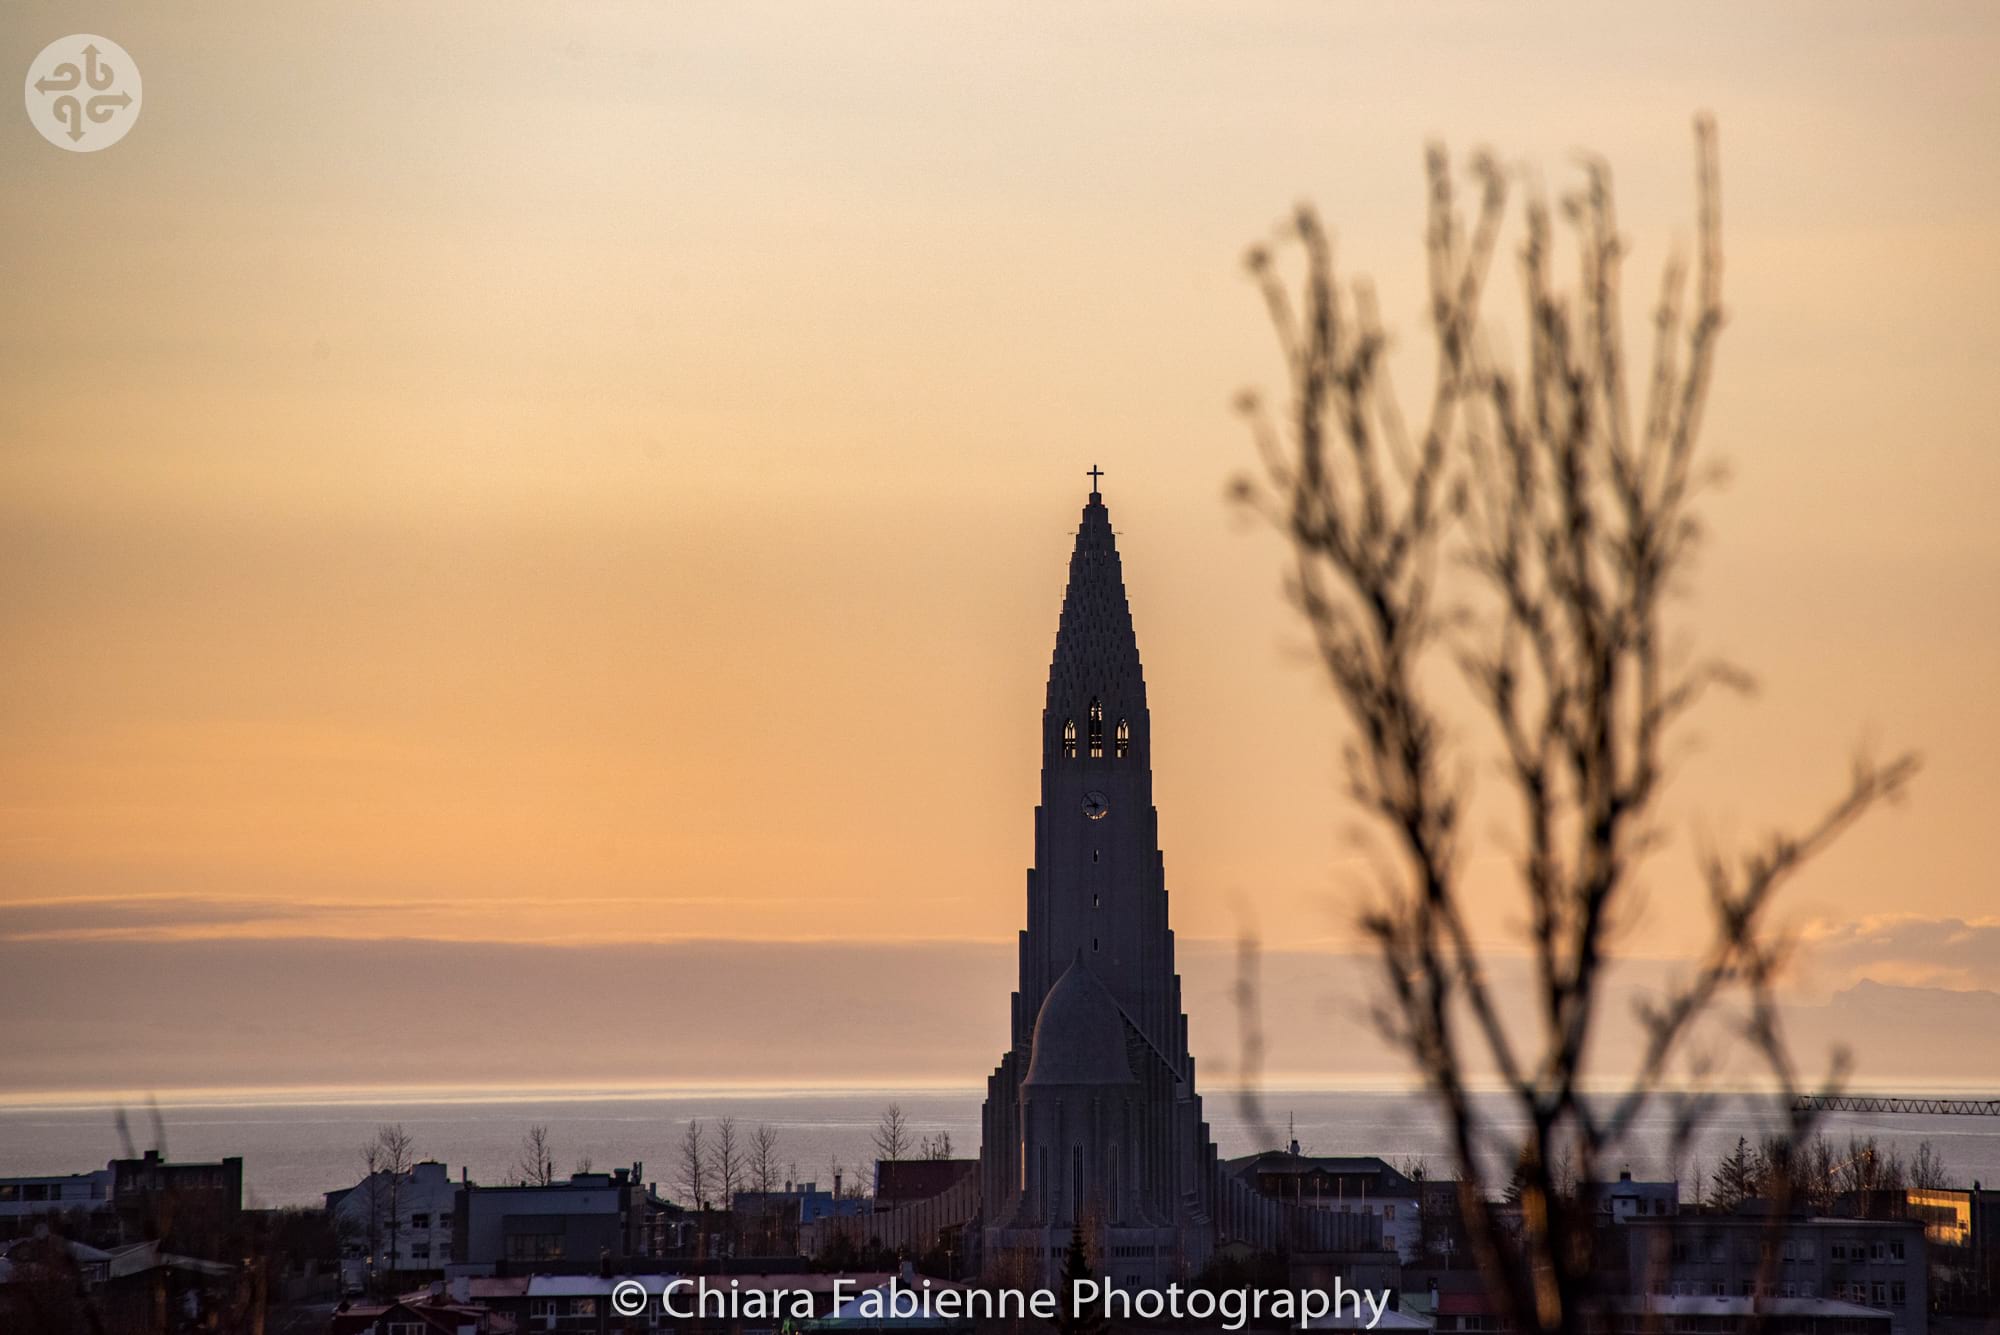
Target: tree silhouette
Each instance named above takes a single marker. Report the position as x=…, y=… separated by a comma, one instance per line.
x=1072, y=1318
x=1566, y=506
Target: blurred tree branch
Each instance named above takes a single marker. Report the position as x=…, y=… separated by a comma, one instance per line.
x=1574, y=517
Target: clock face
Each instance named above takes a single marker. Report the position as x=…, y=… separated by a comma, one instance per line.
x=1094, y=805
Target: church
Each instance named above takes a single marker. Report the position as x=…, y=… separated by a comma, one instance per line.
x=1091, y=1119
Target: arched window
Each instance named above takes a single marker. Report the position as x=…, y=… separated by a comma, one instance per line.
x=1076, y=1183
x=1069, y=739
x=1096, y=729
x=1124, y=739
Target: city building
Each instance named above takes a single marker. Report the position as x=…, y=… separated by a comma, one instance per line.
x=904, y=1181
x=25, y=1198
x=1626, y=1199
x=1873, y=1263
x=1362, y=1185
x=1092, y=1117
x=562, y=1226
x=1665, y=1314
x=394, y=1223
x=141, y=1186
x=803, y=1202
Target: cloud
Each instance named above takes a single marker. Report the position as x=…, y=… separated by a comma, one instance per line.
x=140, y=915
x=1957, y=953
x=568, y=919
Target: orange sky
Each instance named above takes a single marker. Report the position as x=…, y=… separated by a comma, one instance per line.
x=581, y=472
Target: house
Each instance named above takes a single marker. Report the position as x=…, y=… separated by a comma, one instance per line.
x=804, y=1202
x=1625, y=1199
x=1343, y=1185
x=25, y=1198
x=394, y=1223
x=419, y=1315
x=123, y=1287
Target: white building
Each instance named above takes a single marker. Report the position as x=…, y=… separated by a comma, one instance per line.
x=25, y=1197
x=394, y=1222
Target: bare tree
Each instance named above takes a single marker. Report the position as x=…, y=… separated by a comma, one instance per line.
x=1572, y=517
x=728, y=1161
x=936, y=1147
x=537, y=1165
x=387, y=1160
x=892, y=1134
x=694, y=1167
x=1927, y=1170
x=764, y=1159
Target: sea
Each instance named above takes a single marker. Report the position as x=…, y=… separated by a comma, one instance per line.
x=298, y=1146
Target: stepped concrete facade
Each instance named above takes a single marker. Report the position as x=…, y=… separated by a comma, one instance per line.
x=1091, y=1119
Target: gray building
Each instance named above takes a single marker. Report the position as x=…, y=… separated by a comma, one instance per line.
x=1092, y=1116
x=1872, y=1263
x=562, y=1226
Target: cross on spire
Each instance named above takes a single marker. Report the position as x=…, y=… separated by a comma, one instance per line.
x=1095, y=473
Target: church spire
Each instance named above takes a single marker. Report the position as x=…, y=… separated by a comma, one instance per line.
x=1097, y=690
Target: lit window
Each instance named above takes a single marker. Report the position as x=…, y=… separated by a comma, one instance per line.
x=1069, y=739
x=1096, y=729
x=1124, y=739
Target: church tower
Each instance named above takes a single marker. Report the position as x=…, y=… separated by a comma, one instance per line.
x=1091, y=1118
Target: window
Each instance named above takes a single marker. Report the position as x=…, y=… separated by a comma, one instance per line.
x=1076, y=1183
x=420, y=1221
x=420, y=1251
x=1096, y=901
x=1042, y=1179
x=1124, y=739
x=1899, y=1294
x=1069, y=739
x=535, y=1247
x=1096, y=729
x=1895, y=1251
x=1093, y=945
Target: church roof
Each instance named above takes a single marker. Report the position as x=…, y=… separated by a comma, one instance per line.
x=1079, y=1034
x=1097, y=653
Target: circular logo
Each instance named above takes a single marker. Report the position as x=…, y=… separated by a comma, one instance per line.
x=628, y=1297
x=83, y=92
